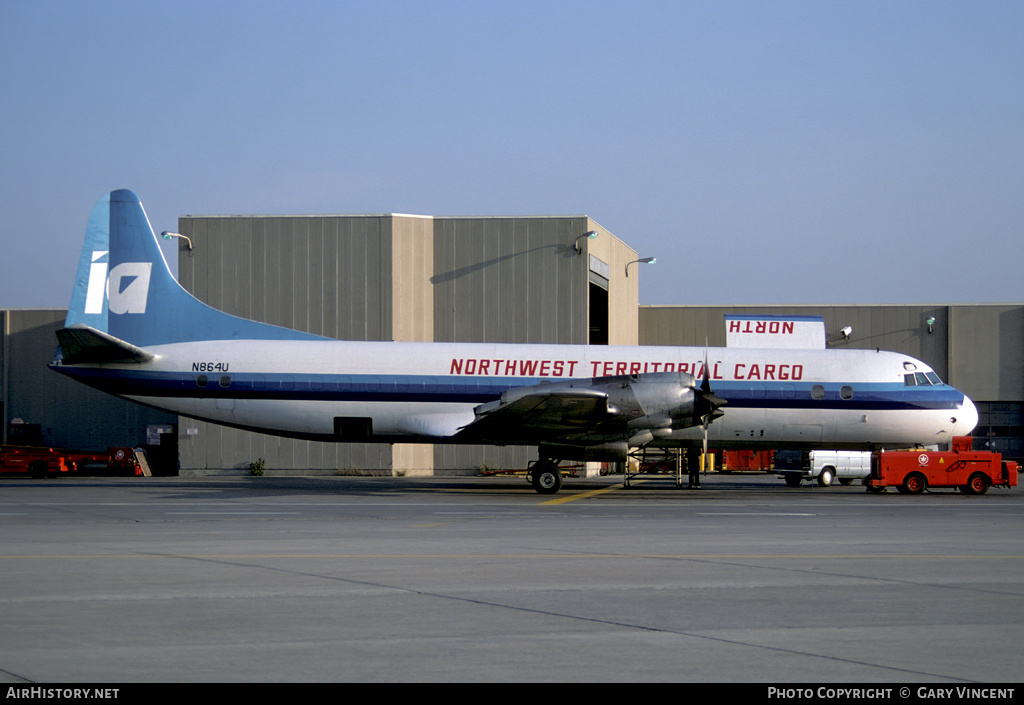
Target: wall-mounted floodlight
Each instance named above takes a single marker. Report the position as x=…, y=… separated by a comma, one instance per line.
x=642, y=260
x=167, y=235
x=590, y=235
x=931, y=322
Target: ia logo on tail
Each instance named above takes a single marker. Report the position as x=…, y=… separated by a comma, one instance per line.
x=126, y=288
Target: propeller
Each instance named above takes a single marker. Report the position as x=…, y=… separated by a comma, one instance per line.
x=707, y=405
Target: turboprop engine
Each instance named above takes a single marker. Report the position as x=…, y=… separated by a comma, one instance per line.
x=664, y=400
x=600, y=416
x=660, y=400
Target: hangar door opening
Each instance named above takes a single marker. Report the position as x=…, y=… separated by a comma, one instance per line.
x=597, y=297
x=598, y=314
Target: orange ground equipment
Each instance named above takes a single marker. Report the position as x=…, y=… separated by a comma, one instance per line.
x=747, y=460
x=50, y=462
x=913, y=472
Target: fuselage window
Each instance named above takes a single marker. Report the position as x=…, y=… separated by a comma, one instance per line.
x=817, y=392
x=202, y=380
x=225, y=381
x=846, y=392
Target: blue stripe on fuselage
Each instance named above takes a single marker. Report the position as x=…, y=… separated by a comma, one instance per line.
x=477, y=390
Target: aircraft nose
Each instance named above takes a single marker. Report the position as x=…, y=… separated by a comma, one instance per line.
x=966, y=418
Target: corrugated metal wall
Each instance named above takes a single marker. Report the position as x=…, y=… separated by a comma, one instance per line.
x=326, y=275
x=987, y=351
x=506, y=280
x=329, y=275
x=509, y=280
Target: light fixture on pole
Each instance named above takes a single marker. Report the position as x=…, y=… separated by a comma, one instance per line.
x=931, y=323
x=167, y=235
x=590, y=235
x=642, y=260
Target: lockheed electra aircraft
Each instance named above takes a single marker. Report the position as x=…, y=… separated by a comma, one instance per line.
x=133, y=331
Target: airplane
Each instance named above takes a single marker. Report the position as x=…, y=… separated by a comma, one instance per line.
x=133, y=331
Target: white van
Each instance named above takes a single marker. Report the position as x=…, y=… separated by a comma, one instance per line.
x=822, y=465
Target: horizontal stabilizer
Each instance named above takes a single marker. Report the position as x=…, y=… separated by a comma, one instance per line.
x=84, y=344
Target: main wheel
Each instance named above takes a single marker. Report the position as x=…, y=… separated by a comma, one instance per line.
x=546, y=478
x=914, y=483
x=976, y=484
x=826, y=477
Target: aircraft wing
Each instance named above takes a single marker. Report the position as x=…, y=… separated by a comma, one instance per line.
x=543, y=412
x=589, y=410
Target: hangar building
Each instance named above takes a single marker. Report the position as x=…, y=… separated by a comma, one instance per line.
x=470, y=279
x=408, y=278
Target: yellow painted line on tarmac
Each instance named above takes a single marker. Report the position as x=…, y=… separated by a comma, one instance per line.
x=583, y=495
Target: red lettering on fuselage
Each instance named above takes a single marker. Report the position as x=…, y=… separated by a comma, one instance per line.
x=511, y=368
x=780, y=373
x=755, y=371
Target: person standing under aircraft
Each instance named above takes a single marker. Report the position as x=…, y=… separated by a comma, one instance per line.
x=693, y=470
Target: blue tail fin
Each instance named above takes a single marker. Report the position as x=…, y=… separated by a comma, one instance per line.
x=124, y=288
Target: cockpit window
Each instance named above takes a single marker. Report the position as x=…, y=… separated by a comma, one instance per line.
x=921, y=379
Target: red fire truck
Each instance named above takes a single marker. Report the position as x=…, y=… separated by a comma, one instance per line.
x=912, y=472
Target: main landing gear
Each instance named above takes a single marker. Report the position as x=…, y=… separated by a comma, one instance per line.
x=545, y=476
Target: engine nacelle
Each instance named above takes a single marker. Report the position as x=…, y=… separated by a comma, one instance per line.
x=656, y=400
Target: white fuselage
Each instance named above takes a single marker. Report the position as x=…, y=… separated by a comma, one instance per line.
x=428, y=391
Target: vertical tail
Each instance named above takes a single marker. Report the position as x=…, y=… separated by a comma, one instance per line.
x=125, y=289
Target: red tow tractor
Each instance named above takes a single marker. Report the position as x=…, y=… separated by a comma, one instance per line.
x=50, y=462
x=913, y=472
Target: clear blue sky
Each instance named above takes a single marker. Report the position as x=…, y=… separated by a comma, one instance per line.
x=765, y=152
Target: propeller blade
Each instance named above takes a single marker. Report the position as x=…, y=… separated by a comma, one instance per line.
x=707, y=422
x=706, y=406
